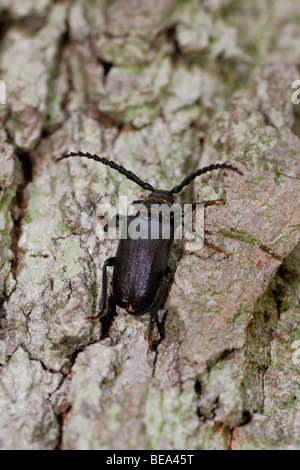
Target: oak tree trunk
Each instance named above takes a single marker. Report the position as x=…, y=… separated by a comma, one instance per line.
x=162, y=87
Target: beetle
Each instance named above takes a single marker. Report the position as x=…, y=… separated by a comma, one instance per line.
x=141, y=276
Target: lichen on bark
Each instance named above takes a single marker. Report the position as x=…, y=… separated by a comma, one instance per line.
x=163, y=88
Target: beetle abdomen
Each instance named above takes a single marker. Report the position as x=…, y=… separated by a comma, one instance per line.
x=136, y=289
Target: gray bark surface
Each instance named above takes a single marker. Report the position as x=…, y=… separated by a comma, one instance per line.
x=163, y=87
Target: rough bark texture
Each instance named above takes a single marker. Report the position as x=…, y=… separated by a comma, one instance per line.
x=163, y=87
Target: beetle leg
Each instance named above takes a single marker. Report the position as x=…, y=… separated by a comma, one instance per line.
x=117, y=218
x=107, y=319
x=209, y=245
x=205, y=203
x=159, y=303
x=113, y=221
x=211, y=203
x=103, y=300
x=139, y=201
x=215, y=248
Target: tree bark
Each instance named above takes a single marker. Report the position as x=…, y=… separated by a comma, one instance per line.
x=162, y=87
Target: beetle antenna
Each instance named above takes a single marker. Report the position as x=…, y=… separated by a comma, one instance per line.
x=201, y=171
x=129, y=175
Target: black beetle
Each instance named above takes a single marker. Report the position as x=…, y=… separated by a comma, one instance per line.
x=141, y=265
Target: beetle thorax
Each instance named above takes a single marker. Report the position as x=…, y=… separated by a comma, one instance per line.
x=159, y=197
